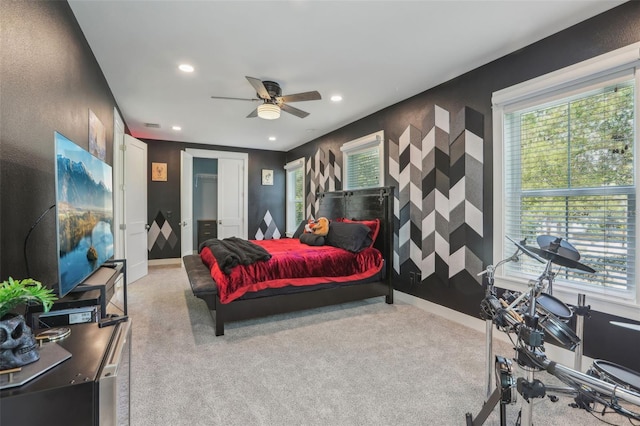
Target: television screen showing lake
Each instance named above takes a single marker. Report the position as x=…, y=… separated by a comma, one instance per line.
x=84, y=203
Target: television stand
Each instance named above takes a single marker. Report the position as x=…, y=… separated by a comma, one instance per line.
x=87, y=302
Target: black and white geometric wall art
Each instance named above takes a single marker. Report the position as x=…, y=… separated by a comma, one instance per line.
x=161, y=233
x=438, y=178
x=435, y=193
x=466, y=193
x=438, y=197
x=267, y=230
x=323, y=174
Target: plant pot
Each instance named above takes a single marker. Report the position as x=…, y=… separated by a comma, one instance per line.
x=17, y=344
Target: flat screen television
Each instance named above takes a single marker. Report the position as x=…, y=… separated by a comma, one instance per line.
x=84, y=213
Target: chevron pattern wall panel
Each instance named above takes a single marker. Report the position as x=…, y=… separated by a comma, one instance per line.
x=435, y=197
x=323, y=174
x=267, y=230
x=466, y=193
x=438, y=178
x=394, y=180
x=410, y=196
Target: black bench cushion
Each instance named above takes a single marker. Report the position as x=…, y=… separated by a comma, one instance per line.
x=199, y=275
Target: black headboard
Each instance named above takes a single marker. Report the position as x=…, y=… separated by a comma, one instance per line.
x=363, y=204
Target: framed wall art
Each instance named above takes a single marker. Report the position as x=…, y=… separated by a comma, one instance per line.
x=97, y=137
x=159, y=172
x=267, y=177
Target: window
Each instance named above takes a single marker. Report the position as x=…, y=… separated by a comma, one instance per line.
x=364, y=162
x=295, y=194
x=565, y=166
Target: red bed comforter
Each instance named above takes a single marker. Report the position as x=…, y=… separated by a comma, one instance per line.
x=293, y=263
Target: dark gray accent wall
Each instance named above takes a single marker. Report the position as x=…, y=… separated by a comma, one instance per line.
x=49, y=81
x=614, y=29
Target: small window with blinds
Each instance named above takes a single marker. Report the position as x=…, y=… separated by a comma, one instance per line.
x=294, y=195
x=364, y=162
x=569, y=172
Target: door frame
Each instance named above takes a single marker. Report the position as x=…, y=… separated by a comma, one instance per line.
x=217, y=155
x=118, y=182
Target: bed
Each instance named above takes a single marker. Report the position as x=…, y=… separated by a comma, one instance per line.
x=256, y=301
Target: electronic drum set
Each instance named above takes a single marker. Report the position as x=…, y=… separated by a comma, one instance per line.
x=530, y=316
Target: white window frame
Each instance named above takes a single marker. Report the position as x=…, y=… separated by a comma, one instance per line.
x=359, y=145
x=520, y=95
x=292, y=167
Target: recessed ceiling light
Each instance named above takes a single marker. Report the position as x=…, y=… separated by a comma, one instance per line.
x=186, y=68
x=176, y=128
x=336, y=98
x=272, y=138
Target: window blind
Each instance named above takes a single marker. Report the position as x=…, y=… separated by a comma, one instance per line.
x=569, y=172
x=363, y=168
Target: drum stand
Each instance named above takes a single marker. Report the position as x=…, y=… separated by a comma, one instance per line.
x=530, y=329
x=529, y=334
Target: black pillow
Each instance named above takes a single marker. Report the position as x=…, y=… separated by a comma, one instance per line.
x=300, y=229
x=349, y=236
x=312, y=239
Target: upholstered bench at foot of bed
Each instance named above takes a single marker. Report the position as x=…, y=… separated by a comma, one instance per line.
x=200, y=280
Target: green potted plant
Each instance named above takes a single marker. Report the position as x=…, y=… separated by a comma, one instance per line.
x=16, y=292
x=17, y=344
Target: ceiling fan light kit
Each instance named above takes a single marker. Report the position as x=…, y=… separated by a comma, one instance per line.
x=270, y=93
x=269, y=111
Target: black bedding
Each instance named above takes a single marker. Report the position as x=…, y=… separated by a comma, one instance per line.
x=233, y=251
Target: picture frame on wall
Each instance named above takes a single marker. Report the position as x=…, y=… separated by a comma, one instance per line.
x=267, y=177
x=97, y=137
x=159, y=172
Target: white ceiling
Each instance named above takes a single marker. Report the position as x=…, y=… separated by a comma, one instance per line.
x=373, y=53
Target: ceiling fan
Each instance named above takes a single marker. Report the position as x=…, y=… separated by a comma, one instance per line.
x=270, y=93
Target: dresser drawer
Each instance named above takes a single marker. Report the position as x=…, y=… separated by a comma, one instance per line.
x=207, y=229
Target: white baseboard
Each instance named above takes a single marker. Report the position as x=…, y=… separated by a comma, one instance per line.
x=553, y=352
x=164, y=262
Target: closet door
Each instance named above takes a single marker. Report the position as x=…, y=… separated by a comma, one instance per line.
x=135, y=208
x=186, y=203
x=231, y=198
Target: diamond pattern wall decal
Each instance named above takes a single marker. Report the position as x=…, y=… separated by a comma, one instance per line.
x=161, y=233
x=267, y=230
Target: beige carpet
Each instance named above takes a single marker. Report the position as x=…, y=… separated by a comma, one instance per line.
x=363, y=363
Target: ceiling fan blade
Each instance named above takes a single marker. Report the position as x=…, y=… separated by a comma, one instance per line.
x=253, y=114
x=260, y=89
x=235, y=99
x=299, y=97
x=295, y=111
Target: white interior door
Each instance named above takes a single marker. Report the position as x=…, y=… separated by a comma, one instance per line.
x=135, y=208
x=231, y=198
x=186, y=203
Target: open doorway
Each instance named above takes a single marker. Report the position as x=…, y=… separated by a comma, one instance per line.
x=205, y=200
x=230, y=183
